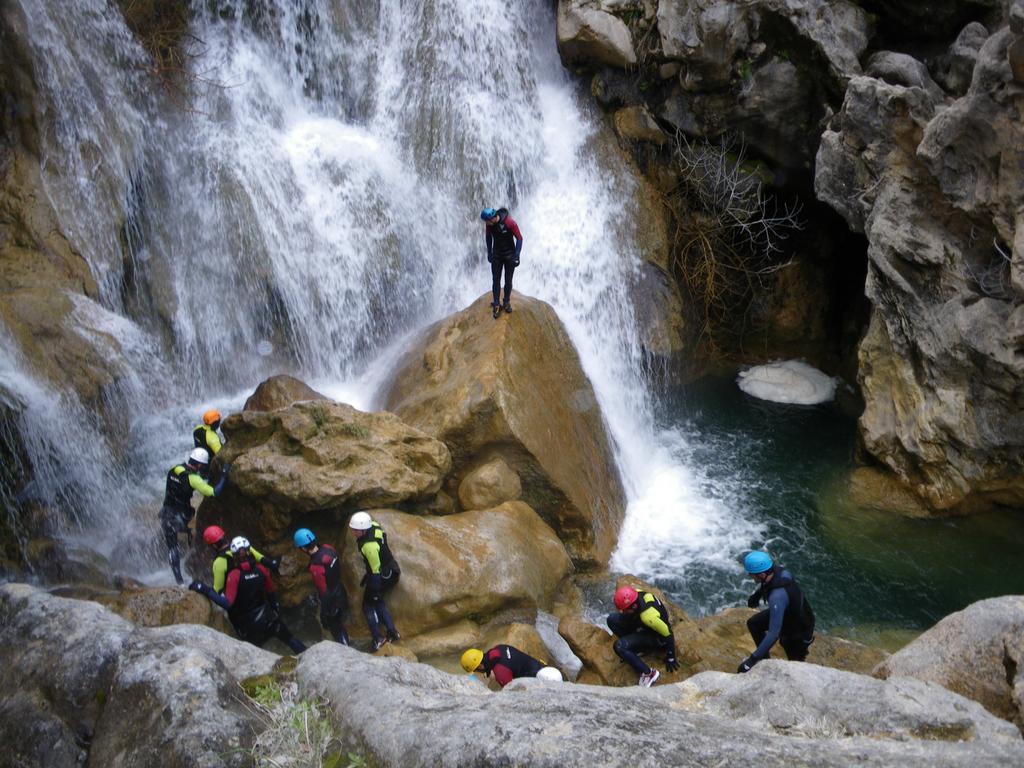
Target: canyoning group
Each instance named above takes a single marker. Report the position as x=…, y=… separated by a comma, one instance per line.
x=243, y=584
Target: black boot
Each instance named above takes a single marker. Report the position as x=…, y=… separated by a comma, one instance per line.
x=507, y=306
x=495, y=310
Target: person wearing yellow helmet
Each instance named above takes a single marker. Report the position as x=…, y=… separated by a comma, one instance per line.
x=176, y=513
x=504, y=661
x=205, y=434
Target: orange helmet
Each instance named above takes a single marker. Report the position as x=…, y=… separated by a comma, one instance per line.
x=211, y=417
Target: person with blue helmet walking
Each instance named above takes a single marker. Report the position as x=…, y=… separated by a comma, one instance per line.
x=504, y=246
x=325, y=568
x=788, y=619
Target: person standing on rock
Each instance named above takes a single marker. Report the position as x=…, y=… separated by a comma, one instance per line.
x=504, y=245
x=325, y=568
x=788, y=618
x=220, y=543
x=382, y=574
x=205, y=434
x=642, y=625
x=250, y=600
x=176, y=513
x=507, y=663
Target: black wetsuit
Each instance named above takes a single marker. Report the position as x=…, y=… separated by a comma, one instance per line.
x=249, y=597
x=504, y=244
x=795, y=630
x=325, y=567
x=382, y=574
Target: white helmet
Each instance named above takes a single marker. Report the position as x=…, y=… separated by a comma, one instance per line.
x=238, y=544
x=199, y=456
x=550, y=674
x=360, y=521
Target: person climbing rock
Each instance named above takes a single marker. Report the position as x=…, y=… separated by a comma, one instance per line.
x=220, y=543
x=382, y=573
x=504, y=246
x=325, y=568
x=250, y=599
x=205, y=434
x=788, y=619
x=176, y=513
x=507, y=663
x=641, y=625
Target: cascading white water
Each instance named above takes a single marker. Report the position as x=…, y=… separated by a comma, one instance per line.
x=323, y=200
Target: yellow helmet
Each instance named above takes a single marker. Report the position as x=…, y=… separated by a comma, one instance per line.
x=471, y=659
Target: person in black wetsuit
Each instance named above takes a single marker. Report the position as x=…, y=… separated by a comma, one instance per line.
x=788, y=618
x=325, y=568
x=176, y=513
x=250, y=600
x=382, y=573
x=642, y=625
x=504, y=246
x=205, y=434
x=504, y=661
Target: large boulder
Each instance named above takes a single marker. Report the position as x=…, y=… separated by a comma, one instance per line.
x=501, y=562
x=489, y=485
x=936, y=189
x=588, y=36
x=977, y=652
x=515, y=389
x=164, y=606
x=84, y=685
x=319, y=456
x=279, y=392
x=818, y=717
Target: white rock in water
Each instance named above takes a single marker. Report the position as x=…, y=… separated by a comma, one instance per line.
x=788, y=382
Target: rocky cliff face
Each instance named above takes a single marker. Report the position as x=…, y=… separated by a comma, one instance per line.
x=923, y=156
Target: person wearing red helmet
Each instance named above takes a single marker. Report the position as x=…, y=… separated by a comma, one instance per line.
x=642, y=624
x=205, y=434
x=218, y=540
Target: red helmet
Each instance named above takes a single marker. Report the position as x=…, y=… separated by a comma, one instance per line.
x=625, y=597
x=213, y=535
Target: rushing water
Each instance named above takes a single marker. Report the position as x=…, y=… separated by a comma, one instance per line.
x=317, y=204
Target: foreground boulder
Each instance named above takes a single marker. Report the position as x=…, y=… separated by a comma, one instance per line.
x=83, y=685
x=977, y=652
x=473, y=565
x=321, y=456
x=515, y=389
x=813, y=716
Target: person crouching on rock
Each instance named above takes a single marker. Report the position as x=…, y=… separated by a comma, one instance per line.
x=382, y=574
x=788, y=618
x=642, y=625
x=220, y=543
x=507, y=663
x=325, y=568
x=177, y=512
x=250, y=600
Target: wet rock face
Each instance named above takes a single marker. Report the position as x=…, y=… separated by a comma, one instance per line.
x=777, y=715
x=279, y=392
x=937, y=187
x=514, y=388
x=977, y=652
x=589, y=35
x=88, y=686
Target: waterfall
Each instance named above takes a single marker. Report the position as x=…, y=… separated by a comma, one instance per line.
x=319, y=201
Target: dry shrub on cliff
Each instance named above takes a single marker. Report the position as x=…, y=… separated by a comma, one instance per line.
x=161, y=27
x=729, y=230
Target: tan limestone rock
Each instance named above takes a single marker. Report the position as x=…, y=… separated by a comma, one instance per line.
x=515, y=388
x=489, y=485
x=279, y=392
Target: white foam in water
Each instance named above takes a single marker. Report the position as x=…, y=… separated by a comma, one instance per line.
x=790, y=381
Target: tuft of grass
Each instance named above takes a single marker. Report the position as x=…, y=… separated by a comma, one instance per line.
x=298, y=733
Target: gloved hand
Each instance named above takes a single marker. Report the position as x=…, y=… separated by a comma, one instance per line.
x=671, y=664
x=273, y=565
x=198, y=586
x=490, y=258
x=515, y=262
x=754, y=600
x=274, y=603
x=747, y=665
x=225, y=470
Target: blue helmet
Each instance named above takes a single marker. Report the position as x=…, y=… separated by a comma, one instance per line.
x=488, y=213
x=757, y=562
x=303, y=537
